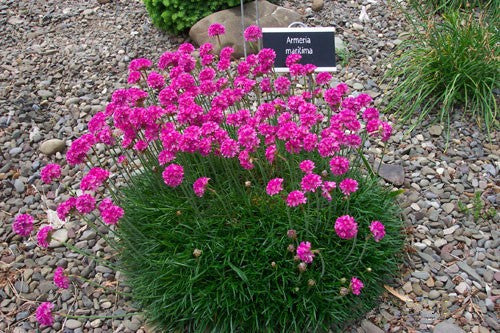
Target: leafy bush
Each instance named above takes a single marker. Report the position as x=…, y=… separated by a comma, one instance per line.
x=236, y=199
x=448, y=63
x=233, y=284
x=179, y=15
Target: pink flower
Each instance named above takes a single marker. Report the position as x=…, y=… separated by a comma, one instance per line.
x=378, y=230
x=326, y=188
x=346, y=227
x=323, y=78
x=199, y=186
x=65, y=208
x=216, y=29
x=61, y=280
x=282, y=84
x=165, y=157
x=310, y=182
x=93, y=179
x=110, y=213
x=274, y=186
x=339, y=165
x=141, y=145
x=78, y=151
x=270, y=153
x=304, y=252
x=356, y=286
x=85, y=203
x=134, y=77
x=50, y=172
x=44, y=314
x=252, y=33
x=229, y=148
x=307, y=166
x=43, y=236
x=348, y=186
x=173, y=175
x=156, y=80
x=386, y=131
x=296, y=198
x=23, y=224
x=292, y=59
x=139, y=64
x=245, y=160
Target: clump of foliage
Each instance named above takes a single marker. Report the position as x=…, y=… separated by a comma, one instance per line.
x=236, y=198
x=177, y=16
x=449, y=62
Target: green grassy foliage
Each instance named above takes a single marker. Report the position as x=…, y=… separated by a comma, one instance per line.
x=177, y=16
x=233, y=285
x=449, y=63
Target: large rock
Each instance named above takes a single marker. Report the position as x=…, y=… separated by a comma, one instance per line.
x=393, y=173
x=270, y=15
x=52, y=146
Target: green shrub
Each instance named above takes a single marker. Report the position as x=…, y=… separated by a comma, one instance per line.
x=233, y=286
x=177, y=16
x=448, y=63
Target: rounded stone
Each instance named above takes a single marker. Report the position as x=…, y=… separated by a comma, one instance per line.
x=52, y=146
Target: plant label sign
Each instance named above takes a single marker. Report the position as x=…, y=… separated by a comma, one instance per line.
x=315, y=45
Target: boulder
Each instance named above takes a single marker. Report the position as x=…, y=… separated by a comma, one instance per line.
x=270, y=15
x=52, y=146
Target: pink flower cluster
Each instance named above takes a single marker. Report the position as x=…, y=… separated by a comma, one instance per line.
x=61, y=280
x=23, y=225
x=356, y=286
x=274, y=186
x=44, y=314
x=43, y=236
x=110, y=212
x=304, y=252
x=346, y=227
x=50, y=172
x=200, y=185
x=252, y=33
x=378, y=230
x=93, y=179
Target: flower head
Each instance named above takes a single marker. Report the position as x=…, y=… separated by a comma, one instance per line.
x=43, y=236
x=216, y=29
x=346, y=227
x=44, y=314
x=65, y=208
x=274, y=186
x=348, y=186
x=61, y=280
x=252, y=33
x=110, y=212
x=85, y=203
x=378, y=230
x=200, y=185
x=23, y=224
x=307, y=166
x=304, y=252
x=173, y=175
x=296, y=198
x=339, y=165
x=356, y=285
x=93, y=179
x=310, y=182
x=50, y=172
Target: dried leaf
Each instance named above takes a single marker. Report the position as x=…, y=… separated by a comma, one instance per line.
x=393, y=291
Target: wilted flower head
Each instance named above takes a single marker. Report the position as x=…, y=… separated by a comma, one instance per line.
x=23, y=224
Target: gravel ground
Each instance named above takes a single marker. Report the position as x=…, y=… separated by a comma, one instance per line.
x=61, y=61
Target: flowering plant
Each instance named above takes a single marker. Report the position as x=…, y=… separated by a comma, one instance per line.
x=233, y=195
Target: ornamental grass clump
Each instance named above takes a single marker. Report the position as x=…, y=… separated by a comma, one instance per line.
x=449, y=65
x=247, y=203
